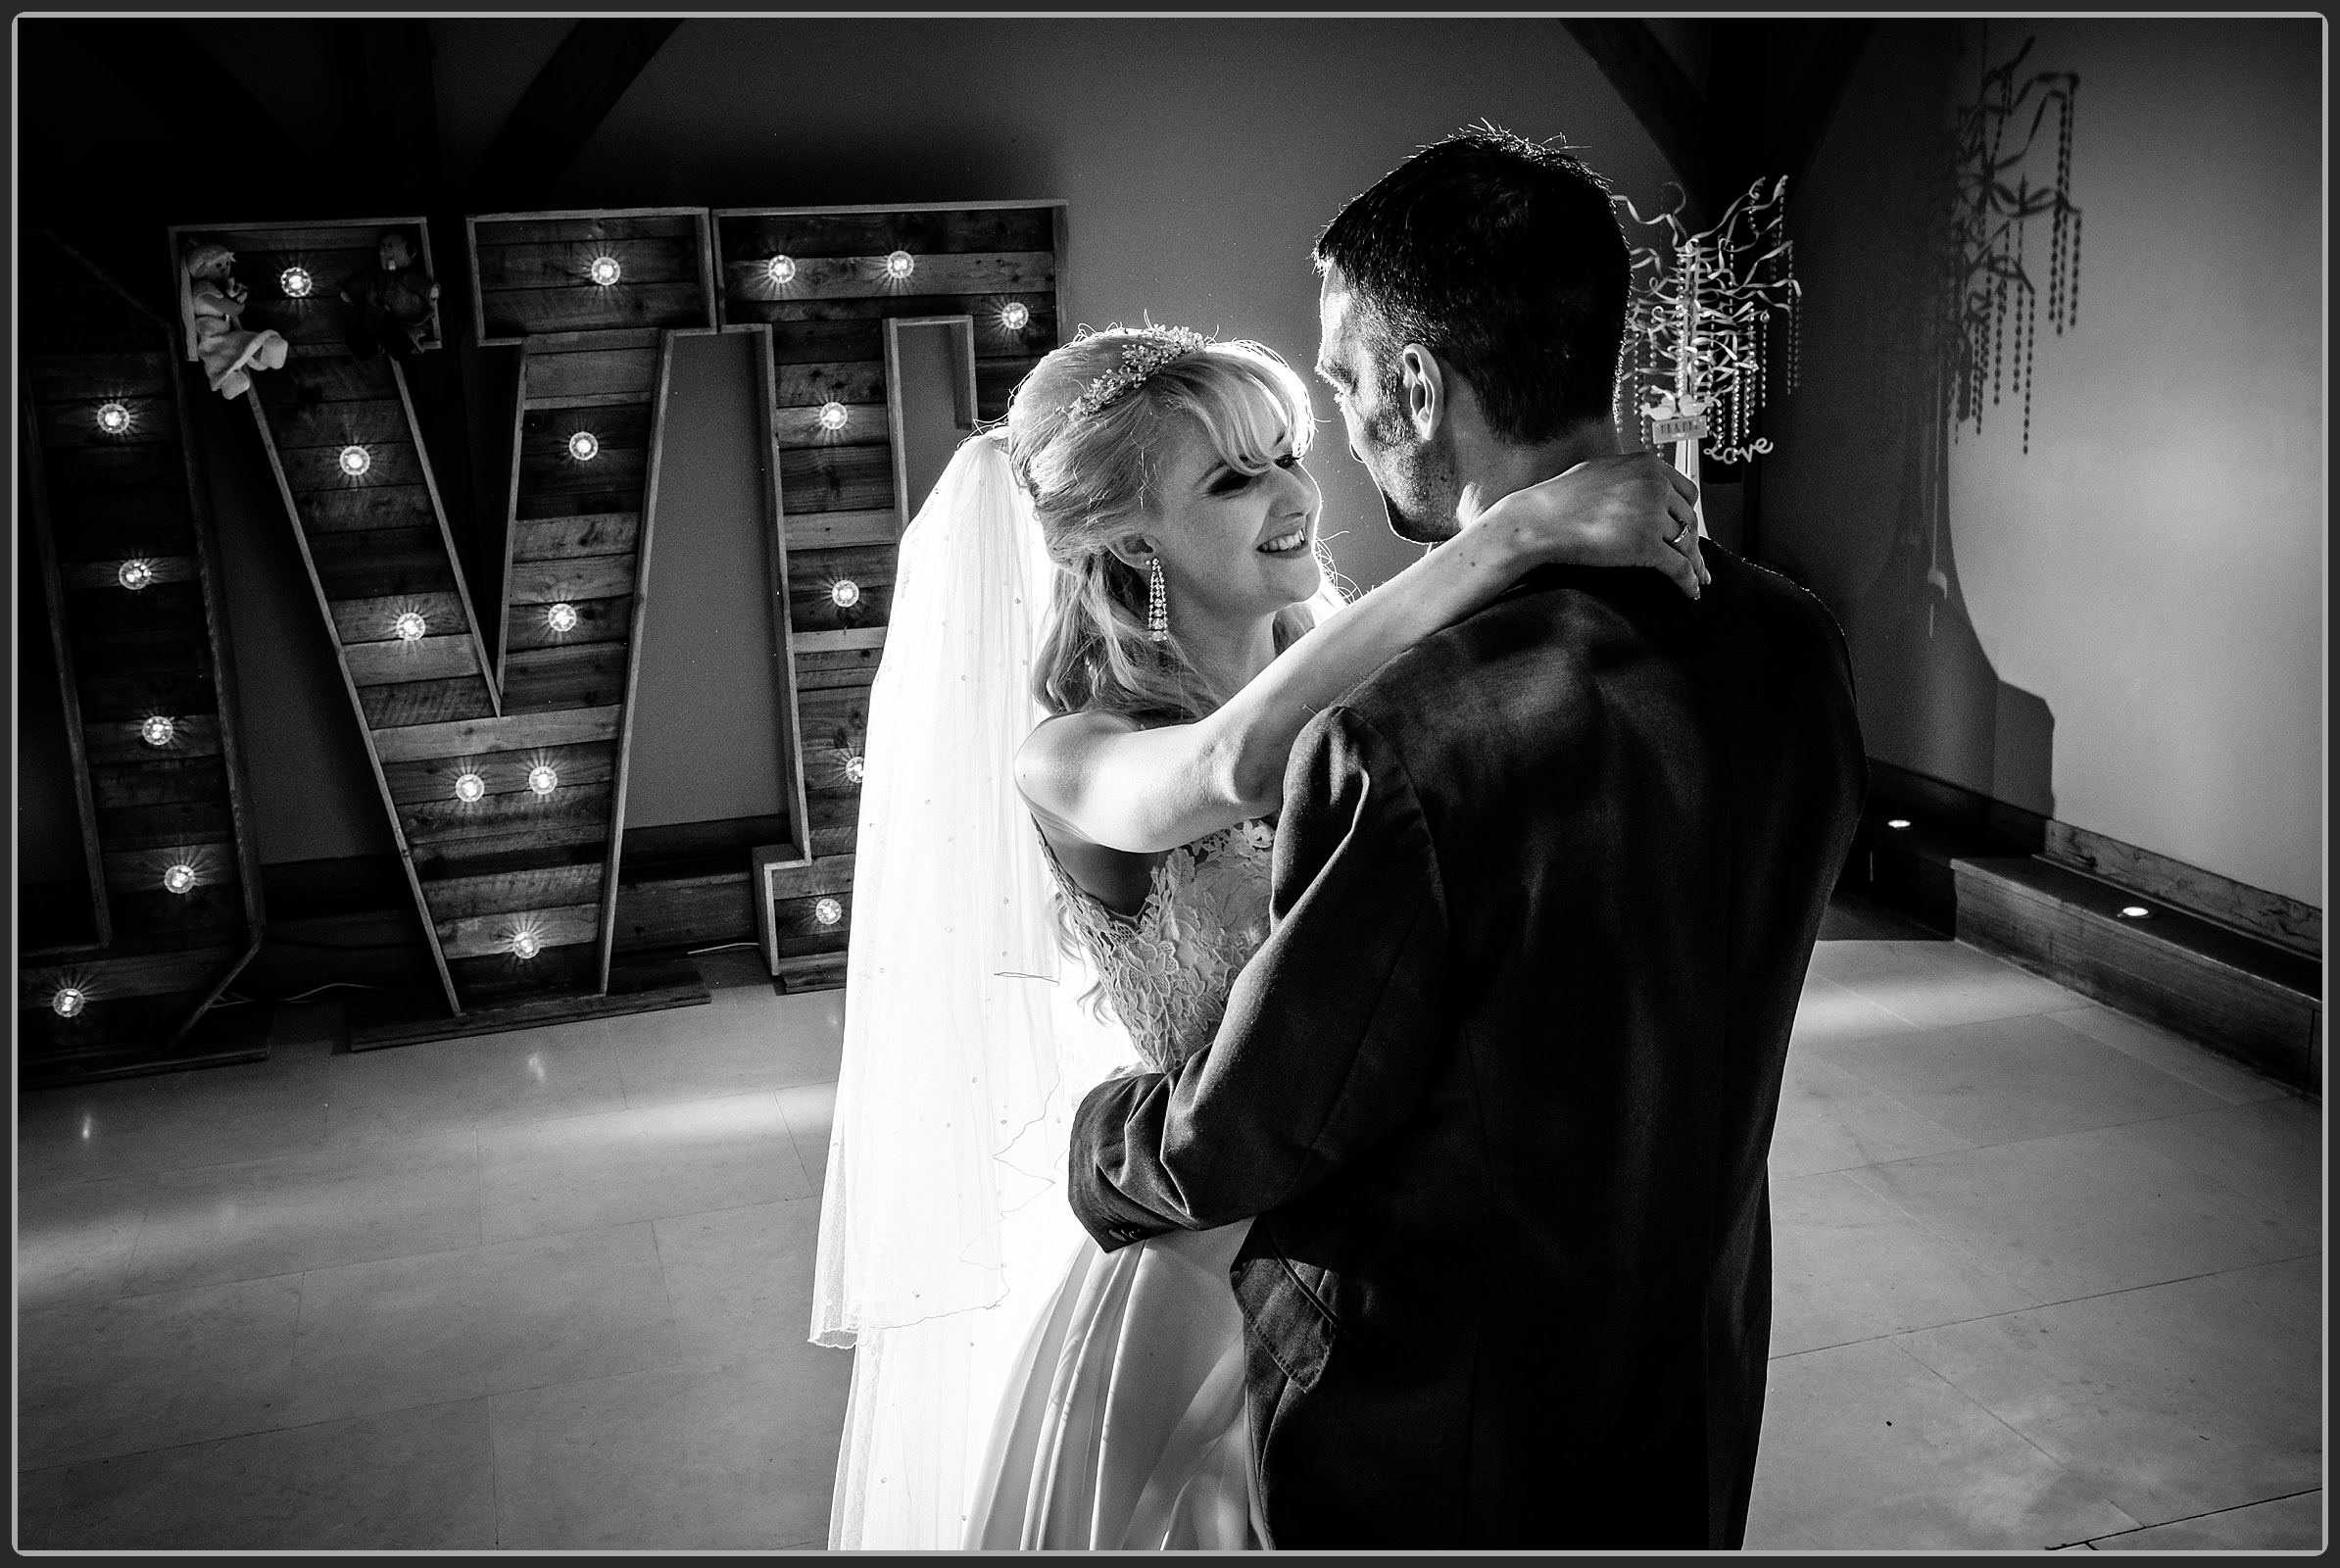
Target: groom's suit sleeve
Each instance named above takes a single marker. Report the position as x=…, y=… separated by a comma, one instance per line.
x=1332, y=1032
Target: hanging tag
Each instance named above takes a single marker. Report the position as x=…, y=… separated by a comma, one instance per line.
x=1682, y=427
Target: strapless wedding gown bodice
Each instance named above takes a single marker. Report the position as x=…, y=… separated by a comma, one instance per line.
x=1123, y=1427
x=1167, y=969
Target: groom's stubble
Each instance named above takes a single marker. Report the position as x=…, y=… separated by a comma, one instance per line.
x=1418, y=480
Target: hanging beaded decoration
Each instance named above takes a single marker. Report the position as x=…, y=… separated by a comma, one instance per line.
x=1699, y=324
x=1990, y=298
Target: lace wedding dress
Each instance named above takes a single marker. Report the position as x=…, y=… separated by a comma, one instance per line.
x=1123, y=1427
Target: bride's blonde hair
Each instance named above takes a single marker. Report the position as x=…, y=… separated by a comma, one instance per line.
x=1090, y=474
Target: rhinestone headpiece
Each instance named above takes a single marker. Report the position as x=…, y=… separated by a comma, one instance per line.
x=1155, y=347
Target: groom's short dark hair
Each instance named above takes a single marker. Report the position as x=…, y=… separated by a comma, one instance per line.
x=1505, y=258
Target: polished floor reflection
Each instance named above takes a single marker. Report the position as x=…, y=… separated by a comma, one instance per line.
x=2046, y=1278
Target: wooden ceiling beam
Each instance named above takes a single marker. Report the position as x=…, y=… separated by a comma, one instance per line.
x=1660, y=94
x=166, y=65
x=1830, y=52
x=562, y=108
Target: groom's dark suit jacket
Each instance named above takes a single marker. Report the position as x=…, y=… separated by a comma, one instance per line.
x=1500, y=1085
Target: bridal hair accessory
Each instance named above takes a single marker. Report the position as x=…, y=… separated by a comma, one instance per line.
x=1158, y=605
x=1156, y=345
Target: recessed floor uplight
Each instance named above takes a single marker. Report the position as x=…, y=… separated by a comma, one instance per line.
x=157, y=730
x=845, y=593
x=606, y=270
x=1015, y=315
x=355, y=461
x=901, y=265
x=1898, y=823
x=584, y=446
x=469, y=788
x=524, y=944
x=543, y=779
x=781, y=268
x=833, y=415
x=2135, y=911
x=181, y=878
x=854, y=769
x=113, y=418
x=561, y=617
x=135, y=575
x=296, y=282
x=828, y=912
x=69, y=1001
x=411, y=627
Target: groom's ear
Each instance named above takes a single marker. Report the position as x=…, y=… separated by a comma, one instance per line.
x=1423, y=390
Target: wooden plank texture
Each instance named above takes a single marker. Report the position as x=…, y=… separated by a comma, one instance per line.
x=545, y=581
x=857, y=478
x=384, y=663
x=817, y=578
x=554, y=377
x=562, y=727
x=480, y=936
x=501, y=772
x=598, y=620
x=569, y=676
x=587, y=308
x=859, y=277
x=463, y=898
x=843, y=530
x=862, y=423
x=747, y=235
x=569, y=263
x=552, y=539
x=2294, y=924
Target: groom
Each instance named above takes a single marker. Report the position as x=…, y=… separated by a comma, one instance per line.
x=1500, y=1085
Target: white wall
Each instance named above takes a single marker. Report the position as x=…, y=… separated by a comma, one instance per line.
x=2145, y=586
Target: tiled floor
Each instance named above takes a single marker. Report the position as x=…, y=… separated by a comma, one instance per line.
x=2046, y=1278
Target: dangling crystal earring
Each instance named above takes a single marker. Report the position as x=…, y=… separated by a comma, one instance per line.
x=1158, y=605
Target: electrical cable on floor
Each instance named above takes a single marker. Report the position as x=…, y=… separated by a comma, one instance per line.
x=232, y=998
x=721, y=946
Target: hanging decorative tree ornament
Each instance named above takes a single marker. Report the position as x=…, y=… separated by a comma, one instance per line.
x=1990, y=302
x=1699, y=326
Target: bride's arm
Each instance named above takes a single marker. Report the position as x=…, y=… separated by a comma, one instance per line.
x=1102, y=778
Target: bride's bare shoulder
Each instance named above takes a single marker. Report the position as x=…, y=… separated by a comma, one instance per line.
x=1049, y=763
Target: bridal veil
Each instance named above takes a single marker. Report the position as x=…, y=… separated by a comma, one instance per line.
x=943, y=1224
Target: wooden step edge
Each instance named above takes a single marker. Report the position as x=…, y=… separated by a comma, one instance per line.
x=2167, y=928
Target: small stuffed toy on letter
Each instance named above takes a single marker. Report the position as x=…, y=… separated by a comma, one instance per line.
x=395, y=305
x=210, y=304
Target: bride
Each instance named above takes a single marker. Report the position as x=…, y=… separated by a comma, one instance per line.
x=1014, y=1385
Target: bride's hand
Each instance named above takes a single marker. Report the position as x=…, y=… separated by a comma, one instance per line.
x=1631, y=509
